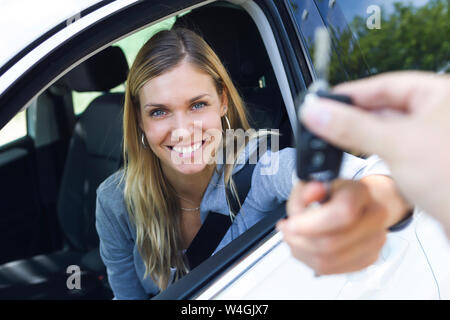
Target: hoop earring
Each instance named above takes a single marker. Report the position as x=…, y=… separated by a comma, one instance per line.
x=142, y=141
x=228, y=122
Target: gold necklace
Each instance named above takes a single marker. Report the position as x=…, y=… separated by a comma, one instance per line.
x=188, y=209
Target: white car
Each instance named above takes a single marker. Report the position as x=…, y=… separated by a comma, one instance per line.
x=63, y=65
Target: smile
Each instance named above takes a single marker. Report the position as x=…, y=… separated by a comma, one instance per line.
x=187, y=151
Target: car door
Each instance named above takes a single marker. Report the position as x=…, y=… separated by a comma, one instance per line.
x=18, y=182
x=31, y=168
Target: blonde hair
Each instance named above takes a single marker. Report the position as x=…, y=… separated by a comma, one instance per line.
x=150, y=199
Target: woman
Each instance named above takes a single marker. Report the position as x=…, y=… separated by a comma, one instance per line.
x=179, y=100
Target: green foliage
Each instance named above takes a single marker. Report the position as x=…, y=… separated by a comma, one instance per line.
x=409, y=38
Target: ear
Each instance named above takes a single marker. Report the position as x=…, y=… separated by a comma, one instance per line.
x=224, y=108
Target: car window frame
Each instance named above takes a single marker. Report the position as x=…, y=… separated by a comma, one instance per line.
x=49, y=33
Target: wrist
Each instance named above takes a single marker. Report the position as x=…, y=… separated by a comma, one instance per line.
x=384, y=191
x=400, y=225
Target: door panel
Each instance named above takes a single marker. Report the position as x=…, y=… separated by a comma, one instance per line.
x=30, y=171
x=19, y=216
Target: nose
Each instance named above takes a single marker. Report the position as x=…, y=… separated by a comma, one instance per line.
x=183, y=129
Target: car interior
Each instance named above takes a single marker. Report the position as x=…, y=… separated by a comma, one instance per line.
x=86, y=149
x=94, y=152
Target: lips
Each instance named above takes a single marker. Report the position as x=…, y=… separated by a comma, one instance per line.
x=186, y=150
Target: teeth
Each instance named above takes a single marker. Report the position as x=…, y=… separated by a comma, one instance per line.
x=188, y=149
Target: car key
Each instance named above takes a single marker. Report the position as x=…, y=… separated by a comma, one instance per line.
x=317, y=159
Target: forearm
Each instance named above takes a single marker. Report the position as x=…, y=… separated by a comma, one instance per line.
x=384, y=191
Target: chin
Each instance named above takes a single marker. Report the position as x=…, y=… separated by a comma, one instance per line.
x=190, y=169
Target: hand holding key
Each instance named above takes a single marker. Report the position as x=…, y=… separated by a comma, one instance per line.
x=404, y=117
x=344, y=234
x=347, y=231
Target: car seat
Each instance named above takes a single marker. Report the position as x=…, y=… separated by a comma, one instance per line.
x=234, y=37
x=94, y=153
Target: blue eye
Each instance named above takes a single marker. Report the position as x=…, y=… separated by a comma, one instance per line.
x=156, y=113
x=200, y=104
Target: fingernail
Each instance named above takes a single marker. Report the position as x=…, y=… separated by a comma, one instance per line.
x=315, y=114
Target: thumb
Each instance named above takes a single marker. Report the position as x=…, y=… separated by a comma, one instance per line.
x=313, y=191
x=303, y=194
x=348, y=127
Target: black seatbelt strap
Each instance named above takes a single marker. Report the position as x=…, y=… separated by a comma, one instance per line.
x=207, y=238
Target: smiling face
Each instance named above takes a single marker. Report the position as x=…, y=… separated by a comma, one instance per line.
x=180, y=114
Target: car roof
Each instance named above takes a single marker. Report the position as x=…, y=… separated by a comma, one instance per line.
x=22, y=21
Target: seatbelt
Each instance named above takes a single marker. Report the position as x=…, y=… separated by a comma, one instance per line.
x=216, y=224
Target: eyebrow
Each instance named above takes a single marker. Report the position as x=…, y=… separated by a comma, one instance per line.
x=164, y=106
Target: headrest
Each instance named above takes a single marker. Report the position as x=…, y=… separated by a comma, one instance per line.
x=102, y=72
x=231, y=34
x=101, y=126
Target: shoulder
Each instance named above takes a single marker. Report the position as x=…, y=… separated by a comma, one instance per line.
x=112, y=186
x=110, y=196
x=111, y=211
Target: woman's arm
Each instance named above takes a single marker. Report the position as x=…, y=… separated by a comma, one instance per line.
x=116, y=251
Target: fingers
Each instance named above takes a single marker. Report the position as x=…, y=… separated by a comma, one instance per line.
x=343, y=235
x=392, y=95
x=349, y=127
x=370, y=223
x=303, y=194
x=347, y=202
x=313, y=191
x=395, y=90
x=357, y=257
x=344, y=251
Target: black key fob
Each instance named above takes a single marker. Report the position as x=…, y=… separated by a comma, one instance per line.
x=316, y=158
